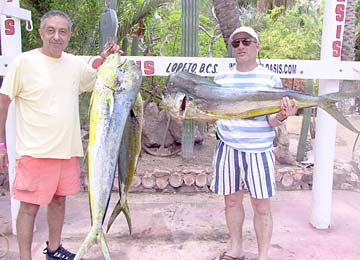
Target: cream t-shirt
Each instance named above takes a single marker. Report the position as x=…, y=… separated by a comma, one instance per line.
x=46, y=92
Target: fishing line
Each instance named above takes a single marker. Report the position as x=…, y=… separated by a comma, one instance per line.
x=356, y=140
x=259, y=57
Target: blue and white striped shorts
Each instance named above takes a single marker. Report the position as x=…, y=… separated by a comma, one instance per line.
x=235, y=170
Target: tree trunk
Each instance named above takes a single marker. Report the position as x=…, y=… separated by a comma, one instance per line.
x=348, y=52
x=348, y=48
x=264, y=5
x=227, y=13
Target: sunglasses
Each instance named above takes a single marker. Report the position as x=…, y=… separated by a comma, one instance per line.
x=244, y=41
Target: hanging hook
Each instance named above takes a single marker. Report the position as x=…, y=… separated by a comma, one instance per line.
x=29, y=25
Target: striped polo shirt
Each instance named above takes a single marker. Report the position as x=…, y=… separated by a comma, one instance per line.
x=248, y=135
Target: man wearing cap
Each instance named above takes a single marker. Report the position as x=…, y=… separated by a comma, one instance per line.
x=244, y=157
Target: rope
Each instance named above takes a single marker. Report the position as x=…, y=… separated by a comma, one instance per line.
x=355, y=143
x=6, y=250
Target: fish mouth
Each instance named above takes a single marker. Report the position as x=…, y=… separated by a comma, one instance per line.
x=175, y=103
x=183, y=101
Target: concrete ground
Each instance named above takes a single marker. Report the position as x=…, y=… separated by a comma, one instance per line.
x=192, y=226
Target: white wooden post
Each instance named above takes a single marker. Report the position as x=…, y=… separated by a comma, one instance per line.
x=10, y=15
x=333, y=24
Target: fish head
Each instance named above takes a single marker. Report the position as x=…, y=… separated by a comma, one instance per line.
x=174, y=103
x=111, y=72
x=181, y=106
x=129, y=80
x=177, y=82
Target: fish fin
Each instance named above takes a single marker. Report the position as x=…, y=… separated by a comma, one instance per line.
x=126, y=212
x=328, y=103
x=197, y=78
x=114, y=214
x=117, y=210
x=103, y=246
x=89, y=241
x=94, y=236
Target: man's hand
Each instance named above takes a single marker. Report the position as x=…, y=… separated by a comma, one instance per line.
x=288, y=107
x=110, y=48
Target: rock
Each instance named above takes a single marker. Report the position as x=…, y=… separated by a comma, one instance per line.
x=189, y=179
x=176, y=180
x=162, y=182
x=209, y=178
x=346, y=186
x=148, y=182
x=287, y=180
x=201, y=179
x=155, y=126
x=282, y=152
x=351, y=177
x=297, y=176
x=161, y=172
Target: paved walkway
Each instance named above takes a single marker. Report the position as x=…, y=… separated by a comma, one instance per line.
x=192, y=227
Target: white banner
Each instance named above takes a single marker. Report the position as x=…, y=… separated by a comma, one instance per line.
x=302, y=69
x=163, y=66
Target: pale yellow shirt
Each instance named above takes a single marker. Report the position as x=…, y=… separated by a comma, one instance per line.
x=46, y=92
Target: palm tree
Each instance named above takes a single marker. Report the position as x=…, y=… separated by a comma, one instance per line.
x=348, y=47
x=264, y=5
x=227, y=13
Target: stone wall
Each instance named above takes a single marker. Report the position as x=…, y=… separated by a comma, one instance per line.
x=198, y=179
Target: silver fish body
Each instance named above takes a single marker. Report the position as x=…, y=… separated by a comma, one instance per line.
x=115, y=92
x=189, y=96
x=130, y=149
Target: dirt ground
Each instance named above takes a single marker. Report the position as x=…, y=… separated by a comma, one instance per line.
x=192, y=226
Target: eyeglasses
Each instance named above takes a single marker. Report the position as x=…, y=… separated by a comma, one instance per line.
x=244, y=41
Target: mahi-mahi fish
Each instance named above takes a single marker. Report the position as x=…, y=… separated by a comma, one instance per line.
x=116, y=88
x=129, y=154
x=190, y=96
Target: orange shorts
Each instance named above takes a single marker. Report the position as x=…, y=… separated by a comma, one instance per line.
x=37, y=180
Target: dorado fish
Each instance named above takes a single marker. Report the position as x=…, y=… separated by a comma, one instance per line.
x=130, y=149
x=189, y=96
x=116, y=88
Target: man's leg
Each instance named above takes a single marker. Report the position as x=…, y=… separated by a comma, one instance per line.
x=235, y=214
x=25, y=228
x=263, y=225
x=56, y=215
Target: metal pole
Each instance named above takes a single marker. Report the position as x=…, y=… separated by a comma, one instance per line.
x=334, y=19
x=11, y=46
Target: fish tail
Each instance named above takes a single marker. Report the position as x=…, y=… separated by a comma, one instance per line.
x=104, y=247
x=328, y=103
x=94, y=236
x=88, y=242
x=126, y=212
x=113, y=216
x=124, y=208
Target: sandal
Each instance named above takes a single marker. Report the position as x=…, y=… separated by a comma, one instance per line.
x=223, y=256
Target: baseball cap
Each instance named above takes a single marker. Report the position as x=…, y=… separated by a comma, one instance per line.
x=247, y=30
